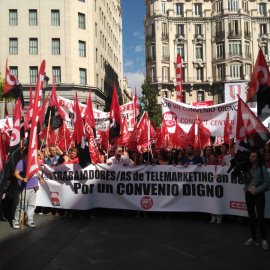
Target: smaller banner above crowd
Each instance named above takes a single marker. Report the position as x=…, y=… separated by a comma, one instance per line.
x=213, y=117
x=102, y=121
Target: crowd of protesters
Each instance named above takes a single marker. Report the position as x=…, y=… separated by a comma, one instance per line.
x=211, y=155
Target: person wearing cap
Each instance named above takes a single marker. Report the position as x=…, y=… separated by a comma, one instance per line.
x=28, y=189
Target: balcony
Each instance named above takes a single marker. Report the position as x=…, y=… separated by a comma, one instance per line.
x=150, y=59
x=239, y=54
x=166, y=58
x=219, y=56
x=234, y=34
x=150, y=36
x=220, y=34
x=248, y=56
x=164, y=36
x=247, y=34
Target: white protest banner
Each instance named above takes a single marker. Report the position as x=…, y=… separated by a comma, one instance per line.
x=208, y=189
x=234, y=89
x=213, y=117
x=101, y=118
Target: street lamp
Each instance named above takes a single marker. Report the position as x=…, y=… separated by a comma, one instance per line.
x=45, y=85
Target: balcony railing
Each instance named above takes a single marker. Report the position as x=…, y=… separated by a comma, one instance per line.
x=165, y=58
x=235, y=54
x=150, y=58
x=164, y=36
x=248, y=55
x=219, y=56
x=150, y=36
x=234, y=34
x=220, y=34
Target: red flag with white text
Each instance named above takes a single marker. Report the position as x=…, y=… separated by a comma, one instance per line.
x=33, y=160
x=179, y=81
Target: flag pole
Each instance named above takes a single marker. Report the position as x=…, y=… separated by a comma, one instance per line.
x=48, y=128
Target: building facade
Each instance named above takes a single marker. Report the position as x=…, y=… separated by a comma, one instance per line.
x=81, y=41
x=218, y=42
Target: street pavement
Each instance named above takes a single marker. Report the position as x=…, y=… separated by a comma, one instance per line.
x=114, y=241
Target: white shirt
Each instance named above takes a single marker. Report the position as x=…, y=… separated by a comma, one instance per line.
x=123, y=159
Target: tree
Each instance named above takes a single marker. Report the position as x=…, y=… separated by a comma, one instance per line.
x=2, y=85
x=148, y=102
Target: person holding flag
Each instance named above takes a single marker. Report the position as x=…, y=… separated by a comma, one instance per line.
x=28, y=192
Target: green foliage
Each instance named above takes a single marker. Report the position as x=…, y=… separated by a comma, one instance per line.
x=2, y=85
x=148, y=102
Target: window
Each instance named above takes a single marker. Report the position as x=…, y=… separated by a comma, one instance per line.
x=248, y=70
x=245, y=6
x=180, y=29
x=13, y=46
x=33, y=74
x=152, y=73
x=163, y=7
x=96, y=80
x=56, y=46
x=200, y=96
x=235, y=48
x=33, y=17
x=164, y=30
x=55, y=14
x=13, y=17
x=263, y=30
x=96, y=55
x=220, y=51
x=198, y=29
x=165, y=74
x=264, y=49
x=179, y=9
x=180, y=49
x=220, y=71
x=199, y=74
x=33, y=46
x=262, y=9
x=82, y=75
x=247, y=50
x=235, y=71
x=81, y=0
x=56, y=72
x=198, y=9
x=165, y=54
x=233, y=5
x=81, y=20
x=82, y=48
x=219, y=6
x=234, y=27
x=199, y=52
x=14, y=71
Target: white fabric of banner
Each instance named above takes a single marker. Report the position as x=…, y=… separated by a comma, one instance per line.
x=213, y=117
x=208, y=189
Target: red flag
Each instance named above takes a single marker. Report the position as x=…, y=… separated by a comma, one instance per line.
x=93, y=148
x=191, y=133
x=249, y=128
x=203, y=134
x=89, y=115
x=180, y=138
x=6, y=136
x=123, y=140
x=162, y=139
x=227, y=130
x=132, y=143
x=80, y=137
x=14, y=146
x=33, y=160
x=54, y=111
x=63, y=139
x=259, y=86
x=104, y=139
x=115, y=118
x=179, y=81
x=27, y=122
x=31, y=101
x=136, y=106
x=144, y=131
x=42, y=111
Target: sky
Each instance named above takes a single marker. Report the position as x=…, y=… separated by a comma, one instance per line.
x=133, y=12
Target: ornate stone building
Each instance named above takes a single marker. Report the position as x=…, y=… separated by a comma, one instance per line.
x=218, y=42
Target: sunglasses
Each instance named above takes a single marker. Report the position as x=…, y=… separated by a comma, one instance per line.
x=120, y=150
